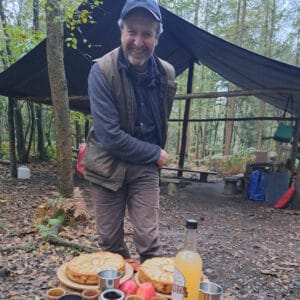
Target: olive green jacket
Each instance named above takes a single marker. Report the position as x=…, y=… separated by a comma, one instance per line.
x=101, y=167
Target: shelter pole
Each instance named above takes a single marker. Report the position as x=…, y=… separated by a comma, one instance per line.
x=296, y=199
x=294, y=149
x=186, y=118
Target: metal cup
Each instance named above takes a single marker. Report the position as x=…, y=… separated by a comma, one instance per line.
x=55, y=293
x=210, y=291
x=109, y=279
x=70, y=297
x=90, y=294
x=112, y=294
x=134, y=297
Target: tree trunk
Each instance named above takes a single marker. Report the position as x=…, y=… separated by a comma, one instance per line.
x=204, y=132
x=86, y=129
x=178, y=131
x=260, y=126
x=40, y=133
x=297, y=59
x=31, y=128
x=240, y=24
x=196, y=16
x=11, y=131
x=78, y=137
x=229, y=126
x=11, y=102
x=16, y=109
x=59, y=96
x=38, y=107
x=20, y=133
x=36, y=14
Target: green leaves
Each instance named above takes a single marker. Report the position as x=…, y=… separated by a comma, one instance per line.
x=71, y=42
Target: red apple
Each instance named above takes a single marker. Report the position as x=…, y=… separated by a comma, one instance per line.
x=129, y=287
x=146, y=290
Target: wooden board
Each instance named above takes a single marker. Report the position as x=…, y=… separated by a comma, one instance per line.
x=63, y=278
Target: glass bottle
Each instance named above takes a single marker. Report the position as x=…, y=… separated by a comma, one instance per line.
x=188, y=266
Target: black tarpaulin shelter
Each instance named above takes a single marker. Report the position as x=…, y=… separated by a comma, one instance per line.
x=181, y=43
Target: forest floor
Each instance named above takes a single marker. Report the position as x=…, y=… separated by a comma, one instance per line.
x=249, y=248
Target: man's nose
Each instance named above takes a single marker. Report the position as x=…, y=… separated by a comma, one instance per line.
x=138, y=41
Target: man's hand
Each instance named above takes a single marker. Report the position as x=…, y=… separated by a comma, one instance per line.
x=163, y=158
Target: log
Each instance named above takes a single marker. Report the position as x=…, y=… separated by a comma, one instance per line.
x=5, y=162
x=56, y=240
x=52, y=239
x=25, y=247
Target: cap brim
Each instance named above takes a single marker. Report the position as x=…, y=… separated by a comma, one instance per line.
x=154, y=14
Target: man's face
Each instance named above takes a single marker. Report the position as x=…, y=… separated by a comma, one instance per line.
x=138, y=39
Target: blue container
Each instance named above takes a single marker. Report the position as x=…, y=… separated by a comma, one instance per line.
x=276, y=184
x=256, y=188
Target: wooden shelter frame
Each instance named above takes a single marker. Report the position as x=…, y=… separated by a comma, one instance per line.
x=200, y=96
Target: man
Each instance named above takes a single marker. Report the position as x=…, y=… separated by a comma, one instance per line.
x=131, y=94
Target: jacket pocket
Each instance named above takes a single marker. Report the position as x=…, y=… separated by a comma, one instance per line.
x=101, y=162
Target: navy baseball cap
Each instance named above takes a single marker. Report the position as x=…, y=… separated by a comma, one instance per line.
x=150, y=5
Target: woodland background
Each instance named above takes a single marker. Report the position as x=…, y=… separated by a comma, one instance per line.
x=267, y=27
x=250, y=249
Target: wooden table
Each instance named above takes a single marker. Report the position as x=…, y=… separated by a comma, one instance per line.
x=203, y=175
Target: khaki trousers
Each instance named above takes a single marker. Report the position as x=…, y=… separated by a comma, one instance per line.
x=140, y=194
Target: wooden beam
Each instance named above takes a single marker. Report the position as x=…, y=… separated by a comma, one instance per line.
x=236, y=93
x=198, y=96
x=236, y=119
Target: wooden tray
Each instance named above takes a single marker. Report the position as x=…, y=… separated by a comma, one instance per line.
x=61, y=274
x=136, y=278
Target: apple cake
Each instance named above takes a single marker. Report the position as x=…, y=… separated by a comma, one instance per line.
x=84, y=268
x=159, y=271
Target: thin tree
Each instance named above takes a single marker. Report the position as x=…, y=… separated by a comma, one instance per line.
x=239, y=35
x=38, y=107
x=11, y=101
x=59, y=95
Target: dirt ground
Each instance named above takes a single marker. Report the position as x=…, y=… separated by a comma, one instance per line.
x=249, y=248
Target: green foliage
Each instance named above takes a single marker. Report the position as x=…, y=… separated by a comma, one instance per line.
x=230, y=165
x=4, y=153
x=47, y=229
x=76, y=18
x=2, y=227
x=51, y=152
x=79, y=117
x=56, y=221
x=43, y=229
x=56, y=202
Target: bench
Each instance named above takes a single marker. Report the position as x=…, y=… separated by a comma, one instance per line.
x=231, y=184
x=173, y=184
x=202, y=174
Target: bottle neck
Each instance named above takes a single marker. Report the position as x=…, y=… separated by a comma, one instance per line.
x=190, y=242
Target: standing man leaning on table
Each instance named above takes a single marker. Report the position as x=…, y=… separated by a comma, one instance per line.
x=131, y=93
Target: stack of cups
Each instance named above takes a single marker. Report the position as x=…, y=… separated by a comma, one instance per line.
x=210, y=291
x=109, y=282
x=90, y=294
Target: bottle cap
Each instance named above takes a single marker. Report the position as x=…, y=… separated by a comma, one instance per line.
x=191, y=224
